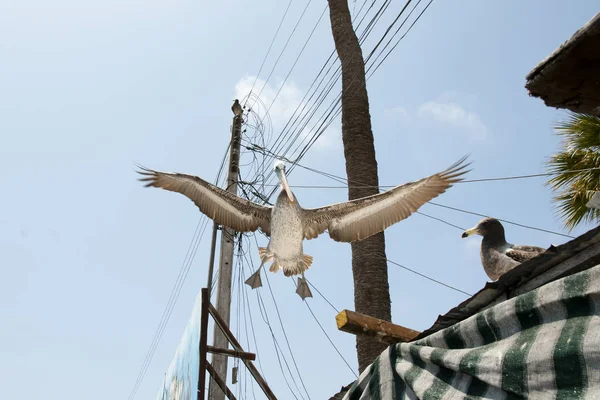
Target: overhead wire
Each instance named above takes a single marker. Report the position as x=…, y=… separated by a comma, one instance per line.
x=324, y=92
x=502, y=220
x=278, y=351
x=283, y=330
x=269, y=49
x=428, y=277
x=321, y=294
x=326, y=335
x=296, y=60
x=286, y=337
x=328, y=116
x=284, y=47
x=169, y=307
x=337, y=103
x=344, y=180
x=252, y=182
x=175, y=291
x=305, y=102
x=269, y=78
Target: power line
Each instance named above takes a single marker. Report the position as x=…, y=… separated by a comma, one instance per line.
x=304, y=103
x=321, y=294
x=341, y=179
x=297, y=58
x=527, y=176
x=496, y=179
x=265, y=317
x=324, y=124
x=440, y=220
x=331, y=115
x=268, y=51
x=502, y=220
x=283, y=330
x=183, y=272
x=175, y=292
x=284, y=47
x=401, y=37
x=428, y=277
x=326, y=335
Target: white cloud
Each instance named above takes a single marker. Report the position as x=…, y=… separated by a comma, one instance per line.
x=332, y=137
x=452, y=113
x=288, y=100
x=398, y=113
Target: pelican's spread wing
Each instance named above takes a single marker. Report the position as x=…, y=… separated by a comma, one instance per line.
x=223, y=207
x=358, y=219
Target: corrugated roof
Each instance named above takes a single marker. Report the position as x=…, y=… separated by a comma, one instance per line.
x=570, y=77
x=569, y=258
x=580, y=253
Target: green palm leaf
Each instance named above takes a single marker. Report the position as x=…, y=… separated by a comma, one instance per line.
x=576, y=169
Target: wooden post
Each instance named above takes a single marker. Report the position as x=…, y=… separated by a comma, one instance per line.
x=211, y=259
x=219, y=361
x=219, y=381
x=232, y=353
x=360, y=324
x=220, y=324
x=203, y=344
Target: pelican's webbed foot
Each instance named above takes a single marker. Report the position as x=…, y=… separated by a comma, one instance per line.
x=303, y=290
x=254, y=281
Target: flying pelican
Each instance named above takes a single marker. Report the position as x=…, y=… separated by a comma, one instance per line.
x=288, y=224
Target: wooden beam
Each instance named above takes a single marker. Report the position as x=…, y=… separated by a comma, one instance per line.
x=232, y=353
x=360, y=324
x=203, y=344
x=219, y=381
x=236, y=345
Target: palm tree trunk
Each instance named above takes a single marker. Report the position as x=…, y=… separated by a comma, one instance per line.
x=369, y=265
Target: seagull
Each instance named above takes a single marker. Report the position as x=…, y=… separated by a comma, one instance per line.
x=497, y=256
x=236, y=108
x=287, y=224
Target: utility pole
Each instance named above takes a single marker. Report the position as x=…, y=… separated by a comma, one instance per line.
x=219, y=361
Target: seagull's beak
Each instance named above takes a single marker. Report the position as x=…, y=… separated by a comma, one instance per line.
x=469, y=232
x=286, y=187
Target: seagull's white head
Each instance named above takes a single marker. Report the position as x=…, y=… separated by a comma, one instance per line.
x=279, y=168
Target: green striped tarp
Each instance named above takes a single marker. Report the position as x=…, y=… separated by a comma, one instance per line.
x=544, y=344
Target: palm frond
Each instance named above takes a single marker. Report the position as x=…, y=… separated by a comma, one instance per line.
x=580, y=131
x=580, y=151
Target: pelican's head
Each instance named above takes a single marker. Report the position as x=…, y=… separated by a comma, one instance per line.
x=279, y=168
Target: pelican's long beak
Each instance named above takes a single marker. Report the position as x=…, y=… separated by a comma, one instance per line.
x=286, y=187
x=469, y=232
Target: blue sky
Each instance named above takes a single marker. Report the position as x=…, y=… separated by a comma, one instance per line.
x=89, y=257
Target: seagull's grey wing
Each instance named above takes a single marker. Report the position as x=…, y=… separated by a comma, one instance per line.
x=223, y=207
x=523, y=253
x=530, y=249
x=358, y=219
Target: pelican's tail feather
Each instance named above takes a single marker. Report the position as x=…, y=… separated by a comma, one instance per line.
x=264, y=254
x=301, y=265
x=275, y=267
x=306, y=260
x=262, y=251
